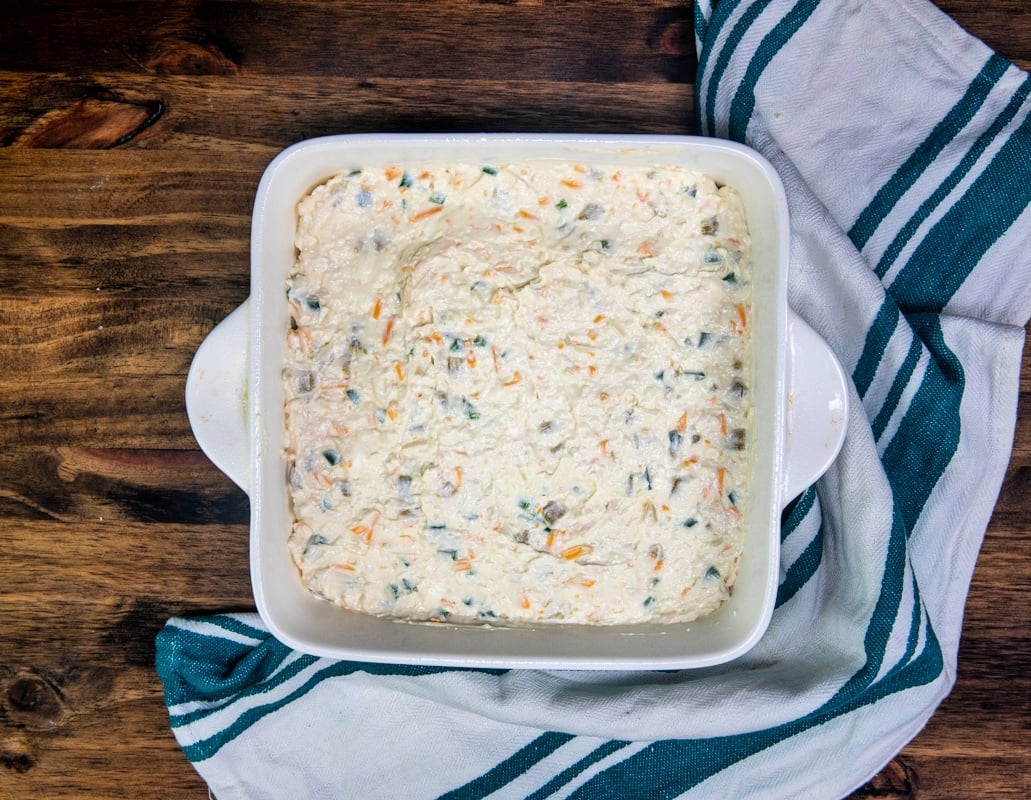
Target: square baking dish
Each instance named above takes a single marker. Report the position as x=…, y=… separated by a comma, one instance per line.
x=235, y=409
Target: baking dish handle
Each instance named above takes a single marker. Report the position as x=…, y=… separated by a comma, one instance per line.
x=216, y=396
x=817, y=413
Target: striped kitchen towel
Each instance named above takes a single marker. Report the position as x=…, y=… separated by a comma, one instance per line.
x=905, y=148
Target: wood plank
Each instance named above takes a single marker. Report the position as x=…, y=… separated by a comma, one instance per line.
x=75, y=485
x=458, y=39
x=61, y=742
x=1001, y=24
x=95, y=593
x=263, y=114
x=102, y=409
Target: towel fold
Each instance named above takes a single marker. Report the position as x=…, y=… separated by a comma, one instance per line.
x=905, y=148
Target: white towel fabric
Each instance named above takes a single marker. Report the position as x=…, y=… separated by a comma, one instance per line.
x=905, y=148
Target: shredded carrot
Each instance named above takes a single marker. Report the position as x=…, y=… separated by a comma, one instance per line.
x=580, y=168
x=658, y=564
x=577, y=550
x=742, y=315
x=645, y=250
x=572, y=184
x=363, y=531
x=425, y=174
x=603, y=396
x=542, y=201
x=593, y=370
x=392, y=409
x=723, y=424
x=437, y=338
x=524, y=600
x=526, y=214
x=580, y=580
x=377, y=308
x=689, y=462
x=388, y=331
x=682, y=423
x=561, y=345
x=344, y=567
x=470, y=359
x=599, y=318
x=516, y=377
x=592, y=335
x=322, y=479
x=604, y=447
x=462, y=565
x=399, y=371
x=667, y=296
x=721, y=475
x=494, y=357
x=643, y=195
x=665, y=508
x=518, y=228
x=392, y=172
x=458, y=477
x=429, y=212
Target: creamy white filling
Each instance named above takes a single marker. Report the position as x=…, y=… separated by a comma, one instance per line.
x=519, y=393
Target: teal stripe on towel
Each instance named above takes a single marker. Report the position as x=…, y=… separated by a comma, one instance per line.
x=927, y=151
x=913, y=468
x=737, y=33
x=959, y=240
x=571, y=772
x=898, y=386
x=903, y=237
x=511, y=768
x=877, y=338
x=743, y=104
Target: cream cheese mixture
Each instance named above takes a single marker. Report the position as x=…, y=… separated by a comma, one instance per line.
x=519, y=393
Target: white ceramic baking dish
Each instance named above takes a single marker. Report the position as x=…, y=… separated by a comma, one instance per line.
x=234, y=401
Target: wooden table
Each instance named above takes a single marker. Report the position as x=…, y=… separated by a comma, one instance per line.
x=134, y=135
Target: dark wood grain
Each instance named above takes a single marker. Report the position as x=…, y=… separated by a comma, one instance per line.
x=132, y=139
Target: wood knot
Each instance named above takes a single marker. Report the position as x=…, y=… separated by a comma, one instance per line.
x=16, y=756
x=181, y=57
x=677, y=39
x=97, y=122
x=34, y=701
x=896, y=780
x=26, y=693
